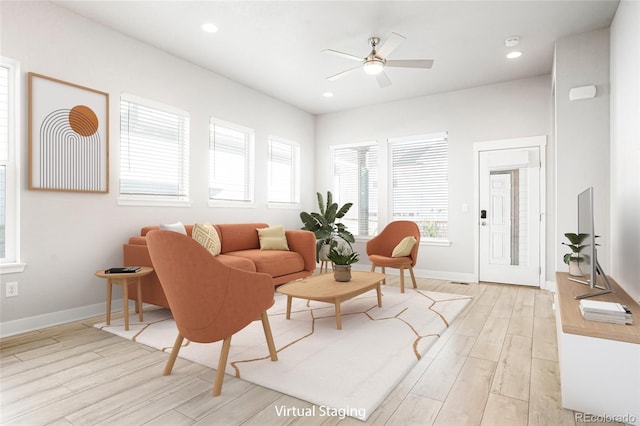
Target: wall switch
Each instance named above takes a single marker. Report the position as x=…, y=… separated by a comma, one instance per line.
x=465, y=208
x=11, y=289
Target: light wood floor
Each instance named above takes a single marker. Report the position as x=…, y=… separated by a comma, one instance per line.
x=496, y=365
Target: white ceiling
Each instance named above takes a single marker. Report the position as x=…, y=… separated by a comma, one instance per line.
x=276, y=47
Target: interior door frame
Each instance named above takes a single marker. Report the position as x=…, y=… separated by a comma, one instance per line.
x=539, y=142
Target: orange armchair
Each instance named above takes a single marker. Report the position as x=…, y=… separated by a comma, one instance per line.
x=209, y=300
x=380, y=248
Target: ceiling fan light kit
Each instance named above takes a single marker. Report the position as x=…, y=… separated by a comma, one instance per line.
x=373, y=66
x=375, y=62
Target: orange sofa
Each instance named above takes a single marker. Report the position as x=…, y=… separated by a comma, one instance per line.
x=240, y=248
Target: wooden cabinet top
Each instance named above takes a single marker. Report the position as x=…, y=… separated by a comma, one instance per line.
x=571, y=317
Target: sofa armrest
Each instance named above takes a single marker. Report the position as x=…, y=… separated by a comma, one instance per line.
x=303, y=242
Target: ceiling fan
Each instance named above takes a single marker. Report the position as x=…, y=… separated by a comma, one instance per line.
x=375, y=61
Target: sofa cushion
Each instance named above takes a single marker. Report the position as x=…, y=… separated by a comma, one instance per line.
x=272, y=238
x=272, y=262
x=239, y=236
x=207, y=236
x=237, y=262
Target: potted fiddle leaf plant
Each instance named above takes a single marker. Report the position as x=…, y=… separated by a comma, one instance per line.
x=574, y=258
x=325, y=226
x=342, y=257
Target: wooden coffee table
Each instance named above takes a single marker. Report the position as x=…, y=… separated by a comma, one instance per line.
x=324, y=288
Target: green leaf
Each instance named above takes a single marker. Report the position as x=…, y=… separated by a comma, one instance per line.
x=320, y=203
x=343, y=210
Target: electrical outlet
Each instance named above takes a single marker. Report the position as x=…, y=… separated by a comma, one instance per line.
x=11, y=289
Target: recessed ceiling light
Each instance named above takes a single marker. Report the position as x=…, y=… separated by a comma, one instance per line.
x=327, y=95
x=514, y=54
x=209, y=28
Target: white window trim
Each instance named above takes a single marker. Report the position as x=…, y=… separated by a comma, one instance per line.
x=249, y=204
x=290, y=204
x=13, y=263
x=153, y=200
x=424, y=241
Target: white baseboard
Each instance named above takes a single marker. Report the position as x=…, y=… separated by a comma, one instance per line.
x=38, y=322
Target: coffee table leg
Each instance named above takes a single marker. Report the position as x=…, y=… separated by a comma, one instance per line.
x=379, y=295
x=289, y=307
x=338, y=316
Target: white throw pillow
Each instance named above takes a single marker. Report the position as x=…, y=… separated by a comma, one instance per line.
x=403, y=249
x=175, y=227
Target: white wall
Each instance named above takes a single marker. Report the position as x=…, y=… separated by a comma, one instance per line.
x=625, y=147
x=501, y=111
x=582, y=137
x=66, y=237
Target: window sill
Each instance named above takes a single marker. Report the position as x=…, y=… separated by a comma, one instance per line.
x=153, y=203
x=12, y=268
x=283, y=206
x=423, y=242
x=232, y=204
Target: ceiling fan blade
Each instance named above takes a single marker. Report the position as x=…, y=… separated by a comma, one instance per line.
x=383, y=79
x=410, y=63
x=390, y=44
x=343, y=73
x=343, y=55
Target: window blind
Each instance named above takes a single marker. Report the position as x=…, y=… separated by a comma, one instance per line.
x=154, y=150
x=284, y=171
x=419, y=190
x=355, y=180
x=230, y=162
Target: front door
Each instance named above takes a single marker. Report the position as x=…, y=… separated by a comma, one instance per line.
x=509, y=216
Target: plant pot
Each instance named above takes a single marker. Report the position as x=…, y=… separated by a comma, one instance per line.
x=574, y=269
x=342, y=273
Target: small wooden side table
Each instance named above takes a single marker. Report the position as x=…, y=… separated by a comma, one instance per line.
x=123, y=280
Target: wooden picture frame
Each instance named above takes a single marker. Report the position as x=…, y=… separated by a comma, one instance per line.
x=68, y=136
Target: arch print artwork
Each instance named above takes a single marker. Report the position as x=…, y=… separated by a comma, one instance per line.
x=68, y=136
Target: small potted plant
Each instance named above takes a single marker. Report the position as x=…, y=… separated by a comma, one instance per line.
x=574, y=258
x=342, y=258
x=325, y=225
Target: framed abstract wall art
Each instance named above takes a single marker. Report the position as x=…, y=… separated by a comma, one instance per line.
x=68, y=136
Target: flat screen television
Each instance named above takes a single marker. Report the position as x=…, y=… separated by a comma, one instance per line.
x=594, y=276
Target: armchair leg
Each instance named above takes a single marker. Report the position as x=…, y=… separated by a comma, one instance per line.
x=222, y=363
x=269, y=336
x=402, y=279
x=373, y=269
x=413, y=277
x=174, y=354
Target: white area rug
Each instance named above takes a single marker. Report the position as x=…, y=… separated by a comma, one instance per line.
x=344, y=372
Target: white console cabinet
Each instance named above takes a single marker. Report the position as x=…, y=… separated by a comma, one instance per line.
x=599, y=362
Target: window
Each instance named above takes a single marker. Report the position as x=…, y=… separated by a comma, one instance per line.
x=355, y=180
x=9, y=174
x=230, y=163
x=419, y=188
x=154, y=152
x=284, y=171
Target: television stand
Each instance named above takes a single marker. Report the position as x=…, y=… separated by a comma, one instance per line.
x=599, y=368
x=603, y=290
